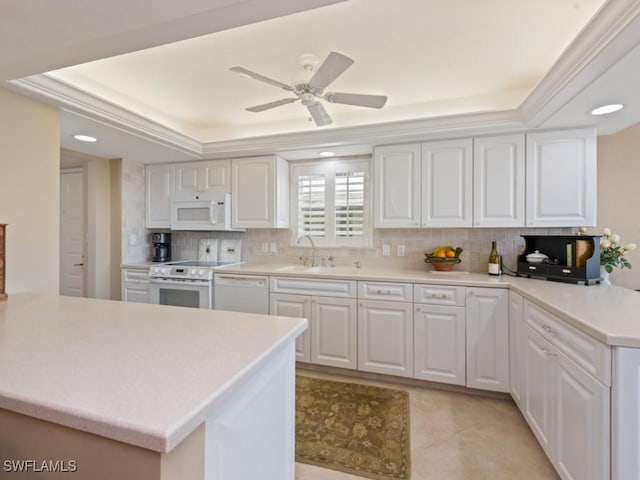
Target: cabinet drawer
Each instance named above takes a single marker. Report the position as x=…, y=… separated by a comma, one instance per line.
x=135, y=275
x=588, y=353
x=439, y=295
x=395, y=292
x=314, y=286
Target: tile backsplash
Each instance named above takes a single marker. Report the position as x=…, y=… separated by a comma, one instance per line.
x=476, y=243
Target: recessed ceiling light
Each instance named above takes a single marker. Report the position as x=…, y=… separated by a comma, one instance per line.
x=614, y=107
x=327, y=154
x=85, y=138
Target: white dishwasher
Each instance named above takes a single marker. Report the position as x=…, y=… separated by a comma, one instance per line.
x=241, y=293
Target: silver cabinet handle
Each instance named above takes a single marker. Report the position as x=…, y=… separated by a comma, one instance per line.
x=78, y=264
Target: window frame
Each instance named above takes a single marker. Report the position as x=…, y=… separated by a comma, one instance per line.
x=329, y=168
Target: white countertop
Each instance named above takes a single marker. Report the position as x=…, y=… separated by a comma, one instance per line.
x=142, y=374
x=608, y=313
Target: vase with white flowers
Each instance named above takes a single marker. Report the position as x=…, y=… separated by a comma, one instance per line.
x=612, y=252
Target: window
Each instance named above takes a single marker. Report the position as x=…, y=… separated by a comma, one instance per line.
x=330, y=202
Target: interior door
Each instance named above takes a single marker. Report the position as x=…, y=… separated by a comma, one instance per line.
x=72, y=213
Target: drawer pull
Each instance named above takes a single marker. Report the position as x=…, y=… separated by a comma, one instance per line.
x=550, y=330
x=549, y=353
x=566, y=270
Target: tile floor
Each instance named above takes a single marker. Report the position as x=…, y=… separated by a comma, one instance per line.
x=455, y=436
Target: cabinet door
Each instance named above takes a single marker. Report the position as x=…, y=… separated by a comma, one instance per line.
x=187, y=176
x=217, y=176
x=385, y=337
x=583, y=424
x=488, y=339
x=135, y=292
x=396, y=188
x=439, y=344
x=446, y=173
x=294, y=306
x=159, y=188
x=561, y=179
x=208, y=176
x=334, y=331
x=498, y=181
x=260, y=192
x=538, y=389
x=516, y=349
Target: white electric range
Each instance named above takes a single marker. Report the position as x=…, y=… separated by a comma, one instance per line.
x=183, y=284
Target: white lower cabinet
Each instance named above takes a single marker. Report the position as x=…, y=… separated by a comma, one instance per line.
x=135, y=285
x=439, y=343
x=294, y=306
x=331, y=338
x=516, y=342
x=385, y=337
x=334, y=332
x=567, y=408
x=538, y=384
x=488, y=339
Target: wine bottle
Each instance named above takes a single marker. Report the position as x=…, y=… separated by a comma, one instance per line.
x=494, y=260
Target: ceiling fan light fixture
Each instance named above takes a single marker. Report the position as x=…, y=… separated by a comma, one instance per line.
x=605, y=109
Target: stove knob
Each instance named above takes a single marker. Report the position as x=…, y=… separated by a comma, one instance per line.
x=202, y=273
x=164, y=271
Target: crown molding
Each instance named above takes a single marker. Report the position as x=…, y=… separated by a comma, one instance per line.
x=611, y=34
x=80, y=102
x=376, y=134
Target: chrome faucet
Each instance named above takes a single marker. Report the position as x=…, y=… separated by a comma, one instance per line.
x=314, y=262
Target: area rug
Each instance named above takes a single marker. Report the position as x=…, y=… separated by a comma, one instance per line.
x=358, y=429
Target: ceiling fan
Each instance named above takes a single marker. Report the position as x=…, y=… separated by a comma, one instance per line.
x=308, y=86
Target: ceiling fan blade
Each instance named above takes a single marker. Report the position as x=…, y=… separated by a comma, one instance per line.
x=370, y=101
x=332, y=67
x=267, y=106
x=319, y=114
x=256, y=76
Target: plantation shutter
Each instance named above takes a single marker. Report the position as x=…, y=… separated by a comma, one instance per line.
x=311, y=205
x=349, y=204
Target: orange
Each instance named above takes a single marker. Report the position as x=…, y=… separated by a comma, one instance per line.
x=441, y=254
x=451, y=253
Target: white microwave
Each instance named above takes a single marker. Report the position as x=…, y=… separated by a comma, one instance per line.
x=201, y=211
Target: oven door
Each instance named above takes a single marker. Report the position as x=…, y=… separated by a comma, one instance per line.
x=181, y=293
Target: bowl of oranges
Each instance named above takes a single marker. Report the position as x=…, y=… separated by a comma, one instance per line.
x=443, y=258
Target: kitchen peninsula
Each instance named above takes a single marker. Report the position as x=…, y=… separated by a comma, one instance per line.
x=112, y=389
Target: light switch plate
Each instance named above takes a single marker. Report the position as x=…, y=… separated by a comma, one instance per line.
x=386, y=250
x=400, y=251
x=273, y=248
x=265, y=247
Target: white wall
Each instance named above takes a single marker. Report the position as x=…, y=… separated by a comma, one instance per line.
x=619, y=196
x=29, y=192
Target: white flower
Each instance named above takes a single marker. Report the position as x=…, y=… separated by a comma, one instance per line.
x=582, y=230
x=606, y=232
x=630, y=246
x=615, y=238
x=605, y=243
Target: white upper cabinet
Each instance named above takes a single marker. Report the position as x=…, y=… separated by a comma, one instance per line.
x=499, y=181
x=396, y=190
x=561, y=178
x=159, y=188
x=198, y=177
x=260, y=192
x=446, y=177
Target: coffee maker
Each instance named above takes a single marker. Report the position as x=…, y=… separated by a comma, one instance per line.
x=161, y=247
